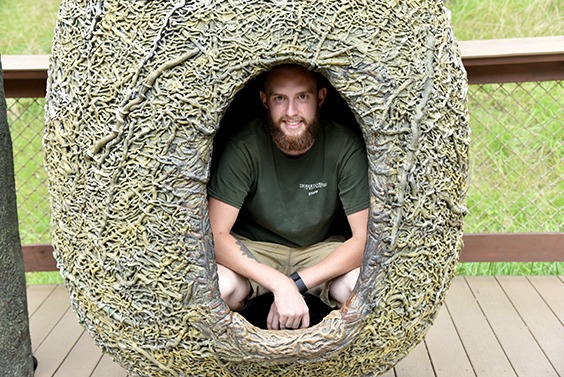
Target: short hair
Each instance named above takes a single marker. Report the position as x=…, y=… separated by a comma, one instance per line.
x=290, y=67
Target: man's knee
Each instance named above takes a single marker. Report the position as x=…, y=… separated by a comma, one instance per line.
x=343, y=286
x=233, y=287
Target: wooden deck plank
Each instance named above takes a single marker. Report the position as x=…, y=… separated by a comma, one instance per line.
x=416, y=363
x=551, y=289
x=36, y=296
x=518, y=343
x=539, y=319
x=446, y=349
x=82, y=359
x=48, y=315
x=388, y=373
x=58, y=345
x=481, y=345
x=108, y=368
x=463, y=342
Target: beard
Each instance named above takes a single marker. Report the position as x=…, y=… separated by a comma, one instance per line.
x=294, y=143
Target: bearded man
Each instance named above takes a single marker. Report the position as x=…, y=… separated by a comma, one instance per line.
x=278, y=188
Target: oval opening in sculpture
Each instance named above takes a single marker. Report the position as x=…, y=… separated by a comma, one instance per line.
x=246, y=106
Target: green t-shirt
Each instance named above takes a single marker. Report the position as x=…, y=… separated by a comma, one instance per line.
x=288, y=200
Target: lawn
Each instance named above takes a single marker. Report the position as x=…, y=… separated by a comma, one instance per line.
x=517, y=152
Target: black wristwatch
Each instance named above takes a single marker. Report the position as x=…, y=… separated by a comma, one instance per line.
x=299, y=282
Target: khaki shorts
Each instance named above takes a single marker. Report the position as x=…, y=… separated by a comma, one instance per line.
x=288, y=260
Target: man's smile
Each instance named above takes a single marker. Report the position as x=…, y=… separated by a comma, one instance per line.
x=293, y=124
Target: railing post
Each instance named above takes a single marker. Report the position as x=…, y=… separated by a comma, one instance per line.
x=15, y=345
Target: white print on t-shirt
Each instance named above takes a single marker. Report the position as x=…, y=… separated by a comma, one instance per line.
x=313, y=188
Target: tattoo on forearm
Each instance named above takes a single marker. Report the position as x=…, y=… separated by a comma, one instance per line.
x=246, y=251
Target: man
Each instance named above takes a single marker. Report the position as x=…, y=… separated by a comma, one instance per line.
x=274, y=198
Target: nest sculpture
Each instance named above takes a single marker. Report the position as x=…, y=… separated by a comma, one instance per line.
x=136, y=93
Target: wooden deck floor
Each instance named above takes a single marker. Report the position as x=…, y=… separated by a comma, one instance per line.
x=490, y=326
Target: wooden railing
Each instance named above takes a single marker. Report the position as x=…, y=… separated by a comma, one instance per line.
x=514, y=60
x=486, y=61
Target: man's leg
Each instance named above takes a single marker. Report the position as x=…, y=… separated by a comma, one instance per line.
x=343, y=286
x=233, y=287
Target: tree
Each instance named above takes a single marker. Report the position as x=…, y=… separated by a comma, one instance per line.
x=16, y=359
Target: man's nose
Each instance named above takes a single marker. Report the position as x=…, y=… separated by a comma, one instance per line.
x=292, y=108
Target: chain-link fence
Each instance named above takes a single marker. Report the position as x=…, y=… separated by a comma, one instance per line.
x=517, y=160
x=26, y=120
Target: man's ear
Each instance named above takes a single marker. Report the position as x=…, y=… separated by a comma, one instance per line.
x=321, y=94
x=263, y=98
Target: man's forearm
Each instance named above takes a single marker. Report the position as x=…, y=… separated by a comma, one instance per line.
x=343, y=259
x=233, y=254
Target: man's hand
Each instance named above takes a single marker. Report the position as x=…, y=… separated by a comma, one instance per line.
x=288, y=311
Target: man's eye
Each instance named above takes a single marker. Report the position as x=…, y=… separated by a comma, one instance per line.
x=278, y=99
x=303, y=97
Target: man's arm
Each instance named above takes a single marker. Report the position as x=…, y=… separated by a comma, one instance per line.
x=343, y=259
x=232, y=254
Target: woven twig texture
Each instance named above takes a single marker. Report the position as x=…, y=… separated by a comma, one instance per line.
x=136, y=93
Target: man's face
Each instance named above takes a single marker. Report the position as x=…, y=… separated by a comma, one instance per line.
x=293, y=101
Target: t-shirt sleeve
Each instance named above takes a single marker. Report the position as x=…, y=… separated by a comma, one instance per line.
x=353, y=180
x=232, y=178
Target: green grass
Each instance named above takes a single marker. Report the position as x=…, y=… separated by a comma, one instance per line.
x=510, y=130
x=43, y=278
x=27, y=26
x=512, y=268
x=494, y=19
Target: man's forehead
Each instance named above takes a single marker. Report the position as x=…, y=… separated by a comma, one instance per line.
x=291, y=86
x=287, y=78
